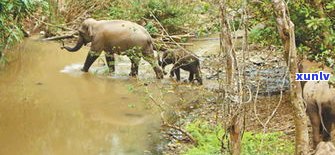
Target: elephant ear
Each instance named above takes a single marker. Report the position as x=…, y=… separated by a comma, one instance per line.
x=87, y=27
x=90, y=30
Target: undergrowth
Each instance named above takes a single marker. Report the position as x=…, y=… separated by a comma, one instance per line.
x=176, y=16
x=209, y=141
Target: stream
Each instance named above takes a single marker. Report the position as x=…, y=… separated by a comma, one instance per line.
x=48, y=106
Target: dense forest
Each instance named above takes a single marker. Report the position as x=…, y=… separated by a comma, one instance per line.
x=236, y=93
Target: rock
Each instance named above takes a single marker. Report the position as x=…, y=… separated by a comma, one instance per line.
x=257, y=60
x=325, y=148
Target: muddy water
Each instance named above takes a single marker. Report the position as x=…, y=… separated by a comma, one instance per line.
x=47, y=106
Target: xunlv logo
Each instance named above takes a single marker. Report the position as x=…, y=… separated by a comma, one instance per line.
x=312, y=76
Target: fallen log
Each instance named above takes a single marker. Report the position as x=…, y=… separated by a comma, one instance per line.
x=183, y=44
x=204, y=39
x=183, y=36
x=59, y=37
x=177, y=38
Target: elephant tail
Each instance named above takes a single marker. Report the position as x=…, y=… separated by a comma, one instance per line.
x=321, y=119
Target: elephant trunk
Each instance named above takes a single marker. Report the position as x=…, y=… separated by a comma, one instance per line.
x=79, y=44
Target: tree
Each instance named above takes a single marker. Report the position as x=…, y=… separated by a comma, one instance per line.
x=286, y=32
x=235, y=126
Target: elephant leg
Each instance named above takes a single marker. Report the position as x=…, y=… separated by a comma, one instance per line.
x=327, y=121
x=177, y=72
x=150, y=58
x=110, y=61
x=198, y=77
x=134, y=66
x=191, y=76
x=163, y=69
x=90, y=58
x=312, y=111
x=172, y=73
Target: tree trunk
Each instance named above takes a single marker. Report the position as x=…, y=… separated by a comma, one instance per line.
x=286, y=30
x=227, y=45
x=236, y=123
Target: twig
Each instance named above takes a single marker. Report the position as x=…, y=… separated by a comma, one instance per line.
x=155, y=102
x=62, y=27
x=193, y=141
x=82, y=14
x=255, y=107
x=159, y=23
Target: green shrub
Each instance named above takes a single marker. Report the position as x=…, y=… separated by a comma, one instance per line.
x=171, y=13
x=151, y=28
x=264, y=36
x=11, y=16
x=314, y=28
x=208, y=137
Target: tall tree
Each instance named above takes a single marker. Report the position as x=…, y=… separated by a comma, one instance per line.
x=286, y=31
x=235, y=126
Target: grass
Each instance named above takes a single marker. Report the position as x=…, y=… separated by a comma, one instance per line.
x=208, y=137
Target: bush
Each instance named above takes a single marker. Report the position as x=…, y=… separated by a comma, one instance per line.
x=208, y=137
x=11, y=18
x=314, y=27
x=171, y=13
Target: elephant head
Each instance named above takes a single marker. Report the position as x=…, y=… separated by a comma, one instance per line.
x=168, y=57
x=85, y=35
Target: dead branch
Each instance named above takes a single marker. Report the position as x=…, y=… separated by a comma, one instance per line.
x=255, y=107
x=68, y=36
x=164, y=30
x=165, y=124
x=204, y=39
x=184, y=44
x=81, y=15
x=176, y=37
x=52, y=25
x=193, y=141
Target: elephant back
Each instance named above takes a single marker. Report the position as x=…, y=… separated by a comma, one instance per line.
x=307, y=66
x=318, y=91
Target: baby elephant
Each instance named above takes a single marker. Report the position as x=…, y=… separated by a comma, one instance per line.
x=182, y=59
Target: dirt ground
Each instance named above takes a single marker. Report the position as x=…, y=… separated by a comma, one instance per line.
x=271, y=106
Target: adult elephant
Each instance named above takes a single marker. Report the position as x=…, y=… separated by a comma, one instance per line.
x=320, y=99
x=116, y=37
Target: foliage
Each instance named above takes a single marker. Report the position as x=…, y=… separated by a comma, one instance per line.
x=268, y=143
x=11, y=18
x=314, y=27
x=264, y=25
x=174, y=15
x=208, y=137
x=151, y=28
x=264, y=35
